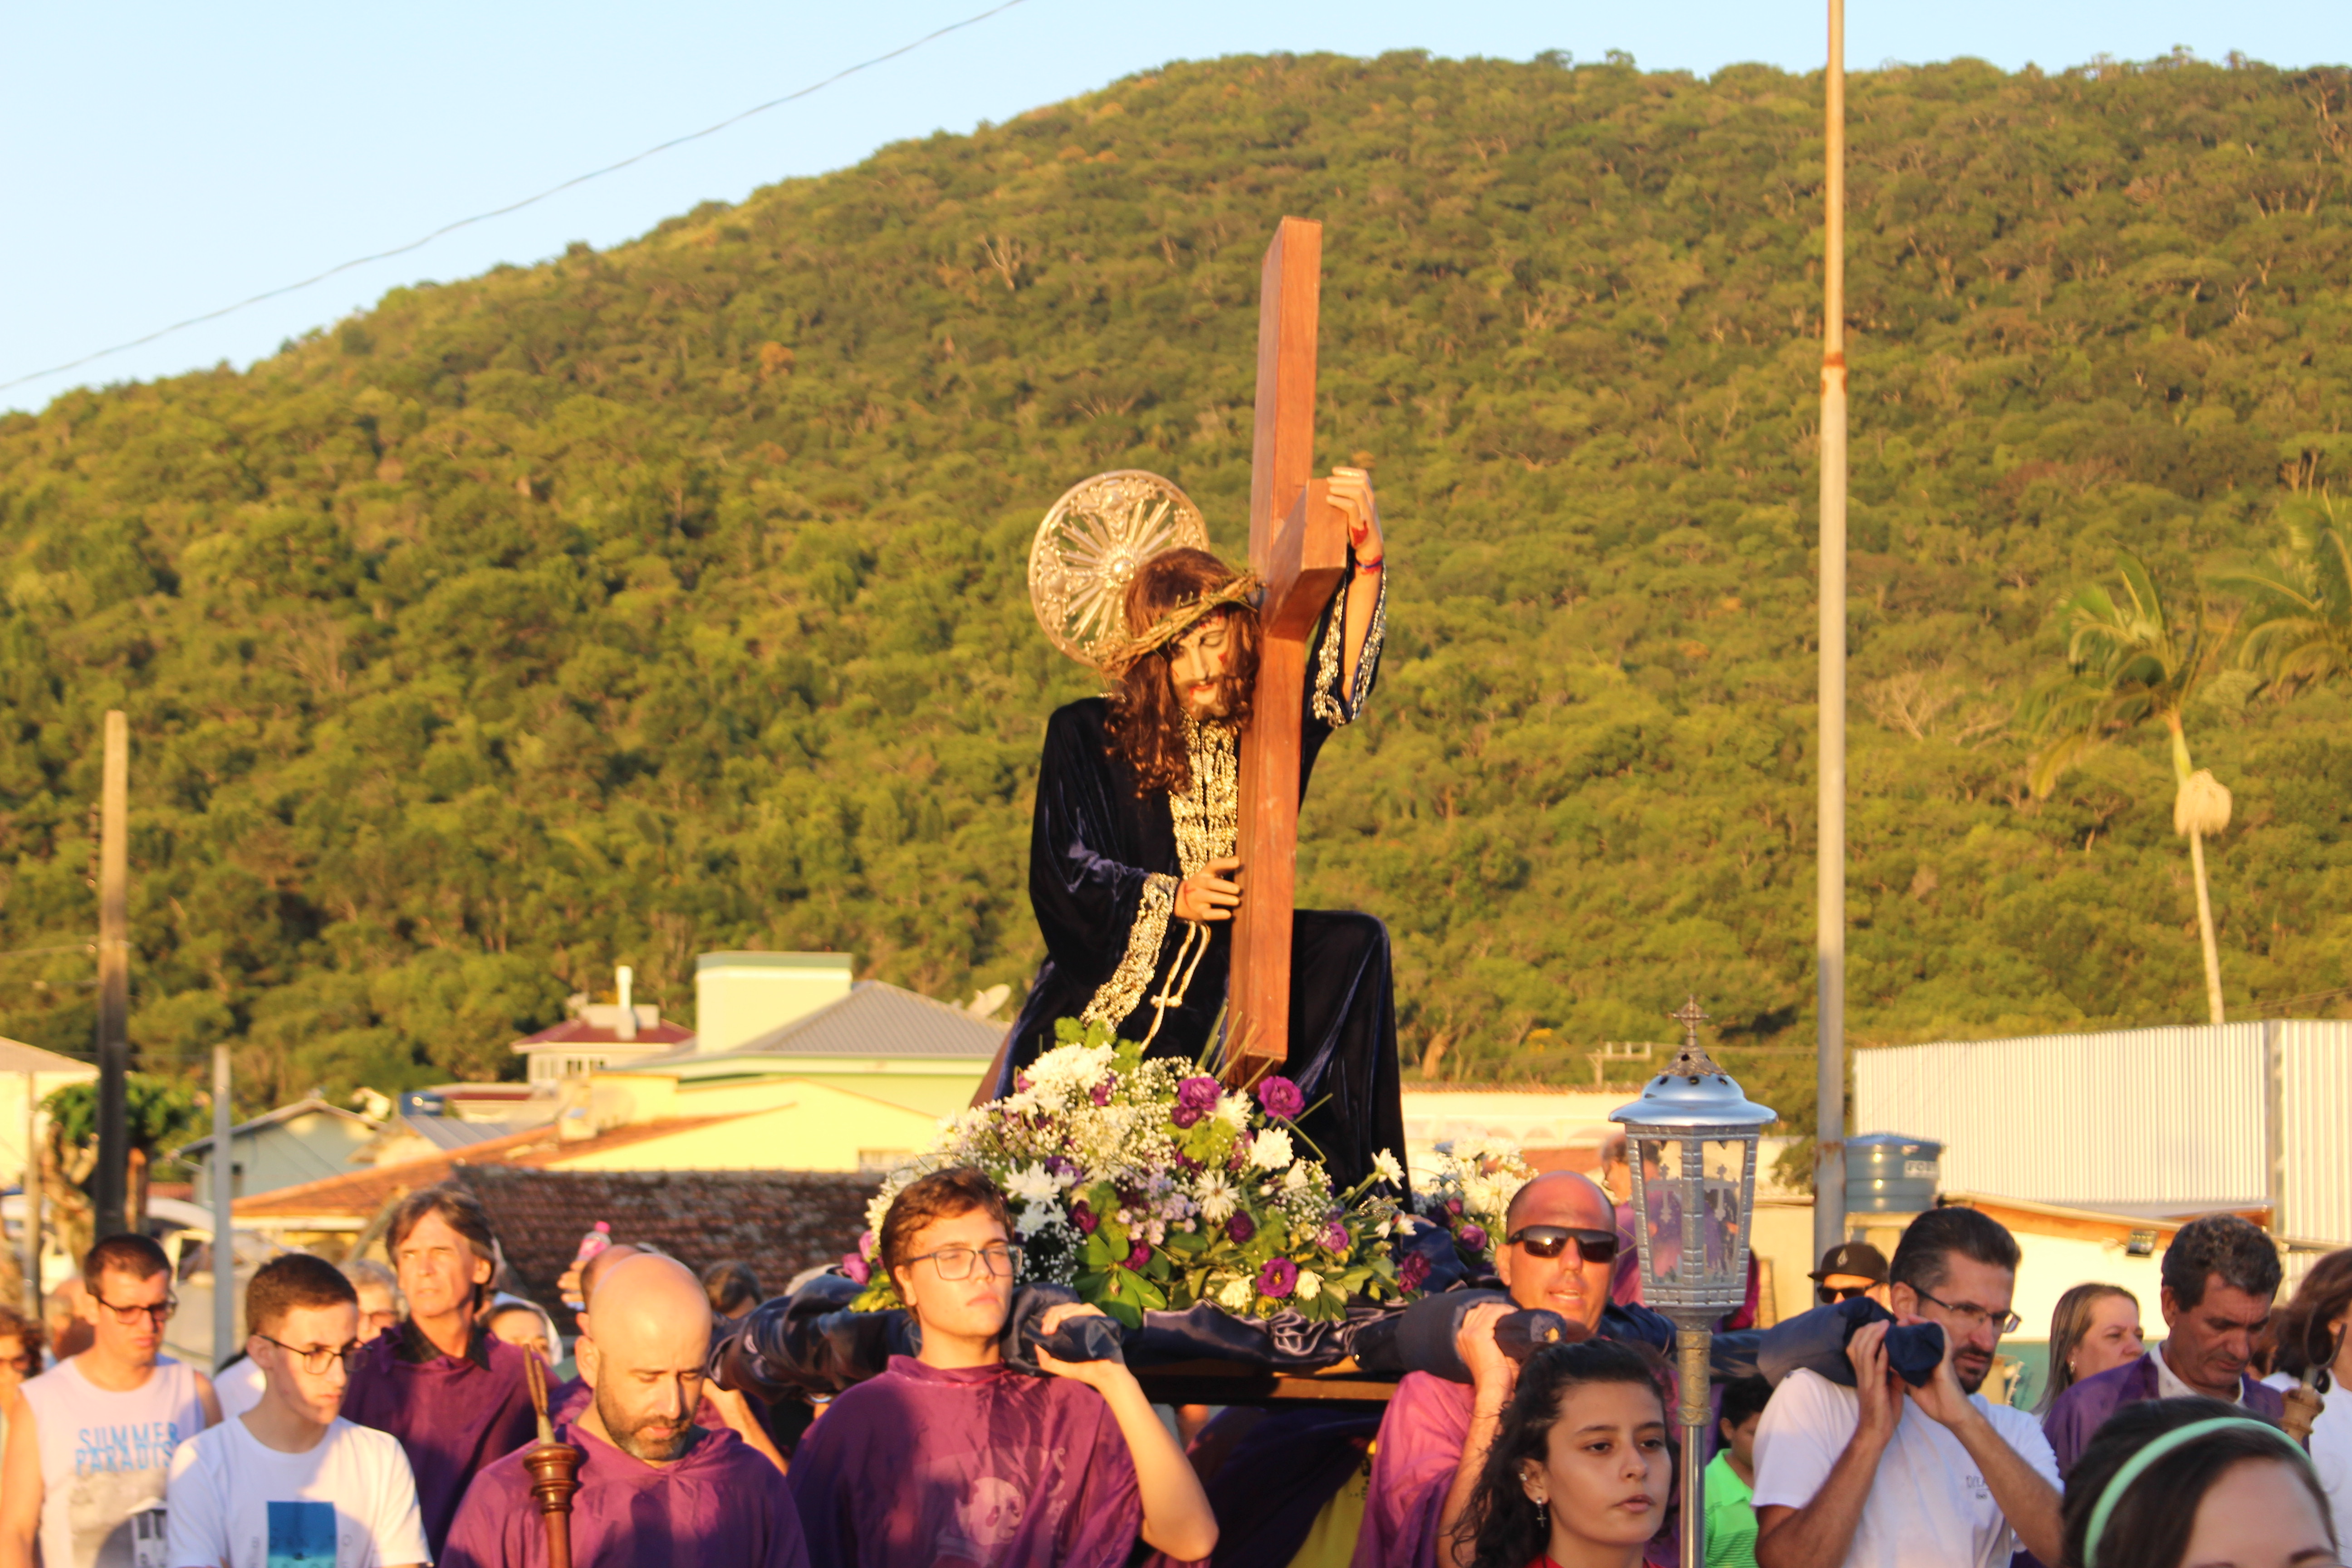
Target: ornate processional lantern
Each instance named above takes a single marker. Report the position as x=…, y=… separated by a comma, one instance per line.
x=1690, y=1143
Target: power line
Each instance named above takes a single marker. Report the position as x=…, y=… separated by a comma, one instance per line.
x=515, y=206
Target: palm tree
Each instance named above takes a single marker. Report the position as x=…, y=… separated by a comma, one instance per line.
x=2299, y=602
x=2128, y=662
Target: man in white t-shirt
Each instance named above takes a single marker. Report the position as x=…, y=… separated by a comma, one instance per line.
x=290, y=1481
x=1883, y=1475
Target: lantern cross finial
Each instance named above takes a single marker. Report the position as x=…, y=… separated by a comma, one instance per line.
x=1693, y=1063
x=1690, y=1016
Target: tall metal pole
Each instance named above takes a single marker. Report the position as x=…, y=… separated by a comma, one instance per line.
x=32, y=1237
x=108, y=1181
x=1829, y=1156
x=224, y=1175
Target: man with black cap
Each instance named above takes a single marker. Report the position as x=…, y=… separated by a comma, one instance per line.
x=1851, y=1269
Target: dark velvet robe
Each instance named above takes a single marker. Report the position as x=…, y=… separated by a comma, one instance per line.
x=1094, y=847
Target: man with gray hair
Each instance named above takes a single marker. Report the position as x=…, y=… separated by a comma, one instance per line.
x=2217, y=1278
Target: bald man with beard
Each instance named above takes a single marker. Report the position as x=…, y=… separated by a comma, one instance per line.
x=656, y=1490
x=1559, y=1248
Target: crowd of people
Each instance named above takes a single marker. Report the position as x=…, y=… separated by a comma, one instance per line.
x=379, y=1418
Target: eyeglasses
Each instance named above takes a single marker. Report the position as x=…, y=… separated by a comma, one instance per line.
x=1972, y=1315
x=314, y=1361
x=955, y=1262
x=1830, y=1295
x=160, y=1312
x=1551, y=1240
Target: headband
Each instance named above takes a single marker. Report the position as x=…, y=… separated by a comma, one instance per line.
x=2138, y=1465
x=1119, y=657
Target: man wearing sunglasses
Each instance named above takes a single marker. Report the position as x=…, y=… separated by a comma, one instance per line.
x=291, y=1480
x=89, y=1447
x=1557, y=1252
x=951, y=1456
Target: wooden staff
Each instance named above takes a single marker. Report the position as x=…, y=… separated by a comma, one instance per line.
x=554, y=1472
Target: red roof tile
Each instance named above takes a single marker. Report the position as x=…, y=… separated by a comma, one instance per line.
x=364, y=1193
x=576, y=1031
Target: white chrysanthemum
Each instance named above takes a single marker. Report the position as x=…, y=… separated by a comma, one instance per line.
x=1232, y=1110
x=1034, y=1218
x=1236, y=1296
x=1385, y=1166
x=1297, y=1177
x=1032, y=1184
x=1270, y=1150
x=1216, y=1196
x=1309, y=1285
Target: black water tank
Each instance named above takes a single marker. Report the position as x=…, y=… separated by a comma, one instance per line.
x=1887, y=1173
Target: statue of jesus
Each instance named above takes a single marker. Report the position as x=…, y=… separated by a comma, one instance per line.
x=1132, y=871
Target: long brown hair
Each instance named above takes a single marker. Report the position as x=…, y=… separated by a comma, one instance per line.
x=1147, y=721
x=2303, y=1324
x=2069, y=1321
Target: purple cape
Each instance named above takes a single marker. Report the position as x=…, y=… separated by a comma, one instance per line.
x=1419, y=1448
x=453, y=1414
x=978, y=1467
x=2084, y=1408
x=719, y=1505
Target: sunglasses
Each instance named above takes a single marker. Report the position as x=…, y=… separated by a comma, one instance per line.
x=1830, y=1295
x=1551, y=1240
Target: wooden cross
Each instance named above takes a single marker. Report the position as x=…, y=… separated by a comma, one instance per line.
x=1298, y=544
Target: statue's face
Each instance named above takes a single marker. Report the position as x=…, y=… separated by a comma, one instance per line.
x=1200, y=665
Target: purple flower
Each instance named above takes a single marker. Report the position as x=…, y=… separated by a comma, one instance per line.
x=1473, y=1237
x=1021, y=1083
x=1195, y=1097
x=866, y=1246
x=1241, y=1227
x=1453, y=1208
x=1279, y=1098
x=1413, y=1272
x=855, y=1266
x=1277, y=1278
x=1139, y=1254
x=1085, y=1217
x=1102, y=1090
x=1060, y=1167
x=1335, y=1238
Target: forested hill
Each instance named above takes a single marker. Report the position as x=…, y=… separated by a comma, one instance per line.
x=671, y=597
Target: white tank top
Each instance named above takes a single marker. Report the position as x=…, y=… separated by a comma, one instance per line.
x=105, y=1457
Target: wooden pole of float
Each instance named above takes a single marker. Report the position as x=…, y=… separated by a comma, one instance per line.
x=109, y=1183
x=1829, y=1154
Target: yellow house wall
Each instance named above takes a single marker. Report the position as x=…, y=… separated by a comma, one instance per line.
x=805, y=1127
x=622, y=1099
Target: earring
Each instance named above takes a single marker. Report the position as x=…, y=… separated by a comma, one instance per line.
x=1543, y=1513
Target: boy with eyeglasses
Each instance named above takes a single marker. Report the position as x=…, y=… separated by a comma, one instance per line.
x=1559, y=1248
x=291, y=1480
x=89, y=1447
x=1880, y=1474
x=951, y=1456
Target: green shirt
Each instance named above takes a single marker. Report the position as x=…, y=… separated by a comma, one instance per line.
x=1730, y=1517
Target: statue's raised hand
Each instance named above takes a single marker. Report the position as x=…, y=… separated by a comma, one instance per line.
x=1352, y=492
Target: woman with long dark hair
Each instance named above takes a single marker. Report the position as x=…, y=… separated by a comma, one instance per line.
x=2171, y=1482
x=2094, y=1329
x=1581, y=1468
x=2316, y=1329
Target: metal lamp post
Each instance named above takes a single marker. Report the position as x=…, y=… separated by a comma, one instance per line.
x=1691, y=1142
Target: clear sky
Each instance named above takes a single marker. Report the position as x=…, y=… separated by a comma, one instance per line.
x=162, y=160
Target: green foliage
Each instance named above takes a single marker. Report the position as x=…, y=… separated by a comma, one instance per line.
x=671, y=597
x=158, y=1115
x=2128, y=660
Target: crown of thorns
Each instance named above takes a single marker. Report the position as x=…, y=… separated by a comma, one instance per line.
x=1119, y=657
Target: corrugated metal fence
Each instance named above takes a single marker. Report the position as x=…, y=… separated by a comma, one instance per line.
x=2136, y=1119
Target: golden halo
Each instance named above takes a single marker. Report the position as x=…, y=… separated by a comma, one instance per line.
x=1089, y=548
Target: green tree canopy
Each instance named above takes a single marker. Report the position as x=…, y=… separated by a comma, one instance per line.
x=671, y=597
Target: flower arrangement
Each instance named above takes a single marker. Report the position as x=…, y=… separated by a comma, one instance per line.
x=1467, y=1191
x=1145, y=1185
